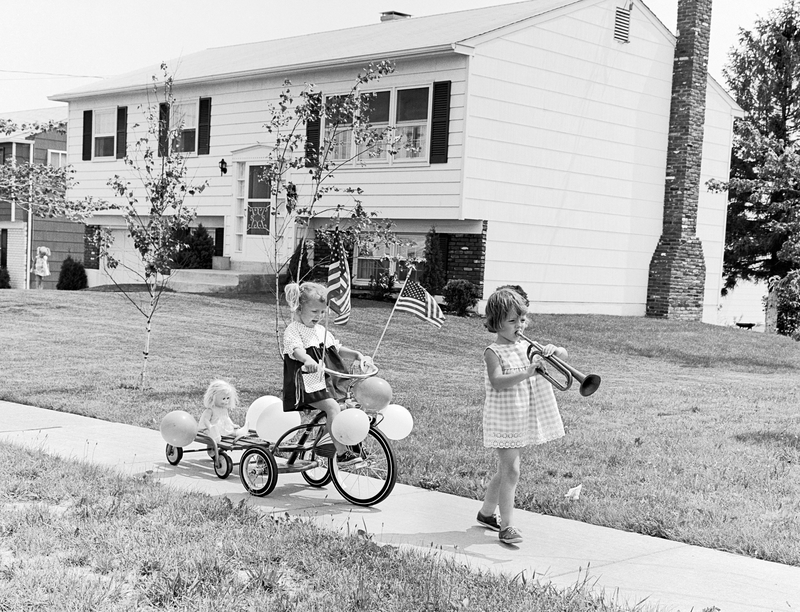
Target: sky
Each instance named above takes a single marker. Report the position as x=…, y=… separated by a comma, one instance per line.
x=52, y=46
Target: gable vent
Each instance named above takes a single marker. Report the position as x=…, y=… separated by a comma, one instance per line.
x=622, y=25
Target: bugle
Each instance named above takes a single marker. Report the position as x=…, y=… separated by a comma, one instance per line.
x=589, y=382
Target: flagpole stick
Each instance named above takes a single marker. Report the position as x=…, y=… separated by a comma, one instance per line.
x=391, y=313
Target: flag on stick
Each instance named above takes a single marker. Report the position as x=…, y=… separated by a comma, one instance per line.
x=339, y=282
x=414, y=299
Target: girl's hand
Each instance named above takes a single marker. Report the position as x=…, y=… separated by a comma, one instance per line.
x=537, y=365
x=310, y=366
x=366, y=363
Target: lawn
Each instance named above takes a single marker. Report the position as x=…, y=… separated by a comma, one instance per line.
x=694, y=434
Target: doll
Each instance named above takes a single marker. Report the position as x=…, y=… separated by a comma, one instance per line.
x=215, y=420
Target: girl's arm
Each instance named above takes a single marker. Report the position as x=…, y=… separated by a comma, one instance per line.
x=307, y=360
x=500, y=381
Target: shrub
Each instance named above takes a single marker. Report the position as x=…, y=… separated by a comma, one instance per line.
x=198, y=252
x=789, y=305
x=518, y=289
x=461, y=295
x=432, y=276
x=72, y=276
x=300, y=255
x=5, y=279
x=382, y=286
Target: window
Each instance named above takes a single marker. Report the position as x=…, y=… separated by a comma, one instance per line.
x=371, y=262
x=191, y=125
x=105, y=128
x=91, y=257
x=57, y=159
x=259, y=199
x=407, y=110
x=105, y=133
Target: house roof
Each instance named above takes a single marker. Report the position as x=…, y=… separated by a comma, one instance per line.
x=27, y=117
x=399, y=37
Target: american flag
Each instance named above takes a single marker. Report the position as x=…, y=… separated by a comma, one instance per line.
x=417, y=301
x=339, y=282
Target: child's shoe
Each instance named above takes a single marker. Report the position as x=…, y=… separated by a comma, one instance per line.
x=348, y=459
x=510, y=535
x=492, y=521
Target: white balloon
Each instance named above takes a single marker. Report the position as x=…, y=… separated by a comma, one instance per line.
x=257, y=407
x=397, y=422
x=350, y=426
x=273, y=422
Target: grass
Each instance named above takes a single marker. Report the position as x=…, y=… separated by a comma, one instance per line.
x=693, y=436
x=77, y=537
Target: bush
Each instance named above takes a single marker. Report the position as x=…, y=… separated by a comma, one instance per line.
x=300, y=255
x=432, y=276
x=461, y=295
x=518, y=289
x=382, y=286
x=5, y=279
x=72, y=276
x=198, y=252
x=788, y=294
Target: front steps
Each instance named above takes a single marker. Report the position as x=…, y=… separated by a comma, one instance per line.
x=220, y=281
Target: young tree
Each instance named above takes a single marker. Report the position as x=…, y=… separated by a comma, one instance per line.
x=763, y=74
x=342, y=116
x=155, y=212
x=433, y=276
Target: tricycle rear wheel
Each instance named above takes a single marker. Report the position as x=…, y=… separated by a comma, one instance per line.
x=258, y=471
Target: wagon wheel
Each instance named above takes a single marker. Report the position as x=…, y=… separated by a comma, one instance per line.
x=223, y=465
x=174, y=454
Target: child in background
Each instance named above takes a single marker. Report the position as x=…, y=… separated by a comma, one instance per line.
x=220, y=397
x=305, y=342
x=40, y=266
x=520, y=407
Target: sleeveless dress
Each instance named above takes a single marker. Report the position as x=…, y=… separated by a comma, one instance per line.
x=524, y=414
x=305, y=387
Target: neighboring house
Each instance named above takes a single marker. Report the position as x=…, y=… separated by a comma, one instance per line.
x=542, y=129
x=21, y=233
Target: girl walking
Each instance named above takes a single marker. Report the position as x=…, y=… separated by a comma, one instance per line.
x=520, y=407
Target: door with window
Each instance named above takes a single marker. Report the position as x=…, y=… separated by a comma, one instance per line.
x=253, y=212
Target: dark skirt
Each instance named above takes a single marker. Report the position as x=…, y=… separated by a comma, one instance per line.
x=294, y=393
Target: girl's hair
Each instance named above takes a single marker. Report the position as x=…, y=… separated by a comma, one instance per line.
x=500, y=304
x=43, y=250
x=220, y=386
x=297, y=295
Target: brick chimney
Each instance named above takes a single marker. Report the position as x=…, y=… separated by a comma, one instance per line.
x=393, y=15
x=677, y=269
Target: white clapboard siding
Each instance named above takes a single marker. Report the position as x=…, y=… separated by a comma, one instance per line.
x=567, y=135
x=239, y=110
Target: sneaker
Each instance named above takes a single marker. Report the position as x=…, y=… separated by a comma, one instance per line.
x=510, y=535
x=492, y=521
x=348, y=459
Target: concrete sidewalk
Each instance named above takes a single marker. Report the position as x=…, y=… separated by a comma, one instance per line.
x=626, y=567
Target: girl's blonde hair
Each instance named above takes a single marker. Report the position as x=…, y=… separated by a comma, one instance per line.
x=297, y=295
x=500, y=304
x=43, y=250
x=220, y=386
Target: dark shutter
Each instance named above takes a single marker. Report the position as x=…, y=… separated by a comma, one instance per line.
x=440, y=122
x=204, y=127
x=122, y=131
x=87, y=136
x=313, y=130
x=163, y=129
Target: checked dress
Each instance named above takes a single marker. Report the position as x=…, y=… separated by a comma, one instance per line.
x=524, y=414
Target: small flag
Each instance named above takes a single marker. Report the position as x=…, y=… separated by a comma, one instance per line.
x=339, y=282
x=417, y=301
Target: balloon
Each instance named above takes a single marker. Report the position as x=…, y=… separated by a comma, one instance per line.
x=273, y=422
x=178, y=428
x=257, y=407
x=373, y=393
x=397, y=422
x=350, y=426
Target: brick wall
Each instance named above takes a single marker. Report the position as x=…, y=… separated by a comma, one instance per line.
x=677, y=269
x=466, y=257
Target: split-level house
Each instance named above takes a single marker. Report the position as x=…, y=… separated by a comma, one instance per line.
x=542, y=132
x=21, y=232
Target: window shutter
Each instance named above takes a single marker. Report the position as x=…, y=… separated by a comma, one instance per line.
x=163, y=129
x=313, y=131
x=122, y=131
x=204, y=127
x=440, y=122
x=87, y=136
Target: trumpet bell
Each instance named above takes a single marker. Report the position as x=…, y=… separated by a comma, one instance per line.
x=589, y=385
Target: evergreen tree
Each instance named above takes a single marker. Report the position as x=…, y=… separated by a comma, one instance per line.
x=72, y=276
x=433, y=276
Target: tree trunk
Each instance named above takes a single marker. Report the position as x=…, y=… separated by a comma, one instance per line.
x=146, y=352
x=771, y=307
